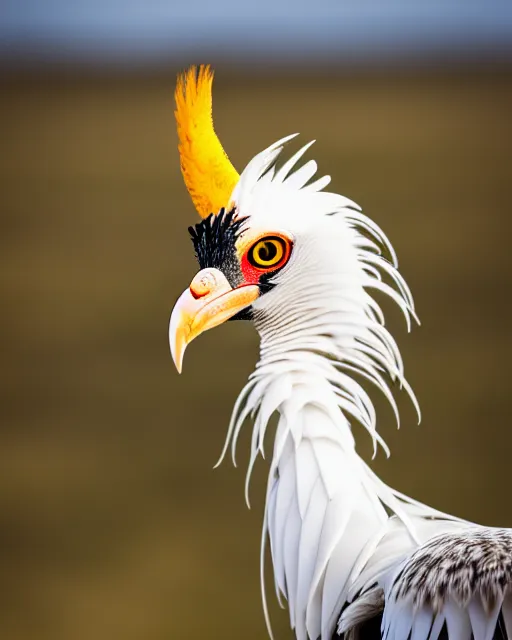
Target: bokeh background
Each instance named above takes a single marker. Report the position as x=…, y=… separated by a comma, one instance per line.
x=113, y=524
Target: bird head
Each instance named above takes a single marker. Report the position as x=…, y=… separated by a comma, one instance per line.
x=275, y=248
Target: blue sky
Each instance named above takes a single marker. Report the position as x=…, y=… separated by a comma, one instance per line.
x=152, y=29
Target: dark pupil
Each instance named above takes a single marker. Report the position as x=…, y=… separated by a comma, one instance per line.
x=267, y=252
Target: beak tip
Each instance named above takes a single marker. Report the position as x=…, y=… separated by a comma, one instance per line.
x=177, y=358
x=178, y=337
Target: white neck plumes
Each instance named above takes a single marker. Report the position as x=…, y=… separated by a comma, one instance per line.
x=326, y=512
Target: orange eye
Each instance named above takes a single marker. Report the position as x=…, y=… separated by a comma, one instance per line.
x=267, y=252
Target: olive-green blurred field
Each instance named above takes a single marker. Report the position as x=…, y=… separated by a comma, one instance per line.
x=113, y=525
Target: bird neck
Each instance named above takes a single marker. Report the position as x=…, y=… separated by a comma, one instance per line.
x=308, y=359
x=326, y=510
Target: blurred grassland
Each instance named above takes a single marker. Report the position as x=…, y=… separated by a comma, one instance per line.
x=112, y=523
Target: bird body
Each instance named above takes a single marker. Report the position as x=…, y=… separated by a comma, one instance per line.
x=301, y=263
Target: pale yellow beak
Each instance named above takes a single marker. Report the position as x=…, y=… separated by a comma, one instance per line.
x=209, y=301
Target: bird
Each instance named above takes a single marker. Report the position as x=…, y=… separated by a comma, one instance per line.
x=352, y=557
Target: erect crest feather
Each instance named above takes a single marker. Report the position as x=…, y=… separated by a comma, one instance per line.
x=208, y=173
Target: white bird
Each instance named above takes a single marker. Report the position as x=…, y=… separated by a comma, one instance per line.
x=352, y=556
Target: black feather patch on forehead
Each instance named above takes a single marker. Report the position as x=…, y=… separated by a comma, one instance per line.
x=214, y=241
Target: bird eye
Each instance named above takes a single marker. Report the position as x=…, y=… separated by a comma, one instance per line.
x=267, y=252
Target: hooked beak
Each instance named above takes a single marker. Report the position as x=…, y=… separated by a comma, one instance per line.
x=209, y=301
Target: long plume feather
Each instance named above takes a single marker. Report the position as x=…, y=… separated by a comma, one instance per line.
x=208, y=173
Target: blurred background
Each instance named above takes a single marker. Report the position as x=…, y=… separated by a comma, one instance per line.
x=113, y=524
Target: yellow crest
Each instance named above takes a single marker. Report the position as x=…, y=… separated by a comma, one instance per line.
x=209, y=175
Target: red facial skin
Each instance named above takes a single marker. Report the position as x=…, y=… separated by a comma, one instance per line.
x=251, y=274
